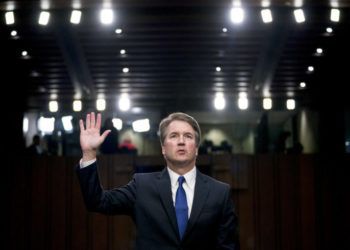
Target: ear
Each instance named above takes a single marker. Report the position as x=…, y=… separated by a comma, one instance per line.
x=163, y=150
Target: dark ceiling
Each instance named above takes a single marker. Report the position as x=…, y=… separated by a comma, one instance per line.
x=172, y=51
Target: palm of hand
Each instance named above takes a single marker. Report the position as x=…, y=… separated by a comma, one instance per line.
x=90, y=139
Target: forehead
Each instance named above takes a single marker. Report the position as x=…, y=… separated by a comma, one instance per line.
x=179, y=127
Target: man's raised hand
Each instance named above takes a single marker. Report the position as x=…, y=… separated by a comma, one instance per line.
x=90, y=138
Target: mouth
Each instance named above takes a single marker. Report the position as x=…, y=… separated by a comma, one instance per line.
x=181, y=151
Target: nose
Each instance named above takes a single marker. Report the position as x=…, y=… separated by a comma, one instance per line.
x=181, y=140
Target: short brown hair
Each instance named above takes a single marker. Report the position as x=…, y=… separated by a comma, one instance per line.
x=178, y=116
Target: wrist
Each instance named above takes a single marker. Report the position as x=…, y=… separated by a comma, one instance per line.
x=89, y=155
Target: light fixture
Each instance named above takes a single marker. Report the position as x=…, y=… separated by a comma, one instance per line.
x=237, y=15
x=310, y=68
x=44, y=18
x=335, y=15
x=118, y=31
x=10, y=17
x=267, y=103
x=218, y=69
x=77, y=105
x=53, y=106
x=122, y=51
x=142, y=125
x=290, y=104
x=243, y=101
x=13, y=33
x=329, y=30
x=106, y=16
x=125, y=70
x=67, y=123
x=124, y=102
x=100, y=104
x=302, y=85
x=224, y=30
x=266, y=15
x=117, y=123
x=75, y=16
x=299, y=16
x=219, y=101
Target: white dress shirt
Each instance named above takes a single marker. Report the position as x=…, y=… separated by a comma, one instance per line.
x=188, y=186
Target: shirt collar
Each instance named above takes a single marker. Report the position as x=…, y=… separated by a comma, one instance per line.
x=190, y=177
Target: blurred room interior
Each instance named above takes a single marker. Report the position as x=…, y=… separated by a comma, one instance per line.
x=266, y=80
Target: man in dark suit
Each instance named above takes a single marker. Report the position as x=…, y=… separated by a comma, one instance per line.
x=178, y=208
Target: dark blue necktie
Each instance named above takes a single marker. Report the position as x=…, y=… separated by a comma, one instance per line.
x=181, y=207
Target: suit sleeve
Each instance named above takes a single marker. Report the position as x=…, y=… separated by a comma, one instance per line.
x=115, y=201
x=228, y=228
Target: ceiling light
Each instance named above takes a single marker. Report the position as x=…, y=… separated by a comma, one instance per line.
x=267, y=103
x=53, y=106
x=106, y=16
x=25, y=125
x=310, y=68
x=302, y=85
x=77, y=105
x=218, y=69
x=265, y=3
x=243, y=101
x=10, y=17
x=290, y=104
x=219, y=101
x=46, y=125
x=266, y=15
x=237, y=15
x=75, y=16
x=118, y=31
x=125, y=70
x=117, y=123
x=100, y=104
x=335, y=15
x=224, y=30
x=44, y=18
x=124, y=102
x=329, y=30
x=13, y=33
x=142, y=125
x=67, y=123
x=122, y=51
x=299, y=16
x=319, y=51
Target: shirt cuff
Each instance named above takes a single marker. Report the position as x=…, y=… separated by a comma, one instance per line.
x=84, y=164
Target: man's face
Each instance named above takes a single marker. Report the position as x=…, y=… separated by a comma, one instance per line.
x=179, y=146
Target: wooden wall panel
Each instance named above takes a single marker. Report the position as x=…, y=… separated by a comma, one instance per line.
x=58, y=203
x=288, y=203
x=20, y=205
x=246, y=206
x=79, y=218
x=307, y=202
x=39, y=205
x=265, y=196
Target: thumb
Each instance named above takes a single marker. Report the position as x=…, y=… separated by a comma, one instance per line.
x=104, y=135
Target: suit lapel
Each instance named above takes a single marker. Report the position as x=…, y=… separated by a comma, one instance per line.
x=164, y=187
x=201, y=192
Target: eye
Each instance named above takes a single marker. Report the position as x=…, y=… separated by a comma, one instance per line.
x=190, y=136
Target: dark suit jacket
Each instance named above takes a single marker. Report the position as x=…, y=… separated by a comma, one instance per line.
x=148, y=200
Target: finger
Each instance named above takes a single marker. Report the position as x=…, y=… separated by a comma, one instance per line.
x=98, y=122
x=81, y=125
x=104, y=135
x=93, y=119
x=87, y=121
